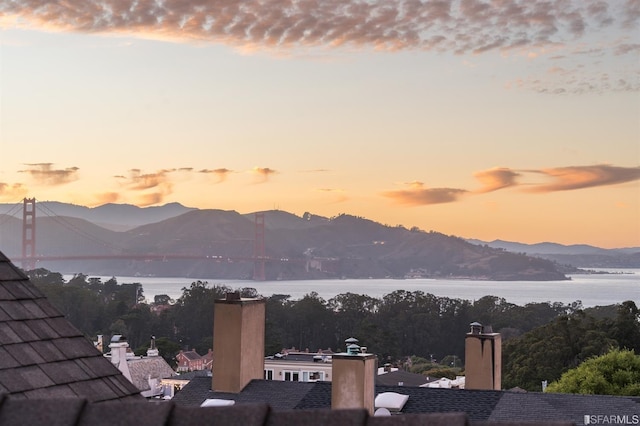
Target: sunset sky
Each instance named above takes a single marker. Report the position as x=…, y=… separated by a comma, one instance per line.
x=504, y=119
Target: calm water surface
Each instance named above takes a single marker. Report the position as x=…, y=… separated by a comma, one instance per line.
x=592, y=290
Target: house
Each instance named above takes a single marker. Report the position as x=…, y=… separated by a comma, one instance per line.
x=172, y=385
x=145, y=372
x=42, y=355
x=191, y=361
x=296, y=366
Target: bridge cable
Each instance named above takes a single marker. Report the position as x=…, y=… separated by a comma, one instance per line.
x=63, y=222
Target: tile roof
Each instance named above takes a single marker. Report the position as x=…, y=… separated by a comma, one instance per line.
x=478, y=405
x=190, y=355
x=42, y=355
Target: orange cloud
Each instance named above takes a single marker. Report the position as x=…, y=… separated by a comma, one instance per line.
x=220, y=174
x=159, y=181
x=263, y=173
x=418, y=195
x=140, y=181
x=449, y=26
x=496, y=178
x=580, y=177
x=45, y=174
x=12, y=191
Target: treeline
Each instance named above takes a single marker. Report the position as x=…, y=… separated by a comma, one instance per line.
x=542, y=340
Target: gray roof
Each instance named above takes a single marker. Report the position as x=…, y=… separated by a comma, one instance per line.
x=478, y=405
x=143, y=368
x=42, y=355
x=393, y=378
x=68, y=412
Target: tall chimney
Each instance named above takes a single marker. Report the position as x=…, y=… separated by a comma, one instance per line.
x=353, y=378
x=483, y=359
x=238, y=342
x=118, y=347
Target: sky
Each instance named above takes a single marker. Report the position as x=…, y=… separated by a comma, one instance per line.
x=491, y=119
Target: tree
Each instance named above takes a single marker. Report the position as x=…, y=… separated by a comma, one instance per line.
x=546, y=352
x=615, y=373
x=161, y=299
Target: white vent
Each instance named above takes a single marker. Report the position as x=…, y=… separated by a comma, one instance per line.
x=217, y=403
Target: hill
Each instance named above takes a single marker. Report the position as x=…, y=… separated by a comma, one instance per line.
x=220, y=244
x=578, y=255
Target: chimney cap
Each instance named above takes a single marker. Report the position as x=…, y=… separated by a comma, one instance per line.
x=476, y=328
x=233, y=295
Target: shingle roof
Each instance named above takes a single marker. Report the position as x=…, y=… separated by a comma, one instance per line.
x=142, y=369
x=392, y=378
x=42, y=355
x=478, y=405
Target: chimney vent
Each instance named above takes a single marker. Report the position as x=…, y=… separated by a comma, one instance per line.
x=352, y=346
x=233, y=295
x=476, y=328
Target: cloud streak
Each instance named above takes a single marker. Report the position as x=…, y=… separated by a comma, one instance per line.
x=45, y=174
x=496, y=178
x=568, y=178
x=418, y=195
x=220, y=174
x=581, y=177
x=151, y=188
x=263, y=173
x=12, y=191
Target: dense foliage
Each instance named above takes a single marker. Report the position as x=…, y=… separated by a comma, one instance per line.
x=542, y=340
x=614, y=373
x=545, y=353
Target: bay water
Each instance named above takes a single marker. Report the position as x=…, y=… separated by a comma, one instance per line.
x=615, y=286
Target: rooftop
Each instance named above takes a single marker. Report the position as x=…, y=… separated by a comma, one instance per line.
x=42, y=355
x=478, y=405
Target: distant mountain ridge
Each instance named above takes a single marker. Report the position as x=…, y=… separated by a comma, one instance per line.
x=221, y=244
x=116, y=217
x=578, y=255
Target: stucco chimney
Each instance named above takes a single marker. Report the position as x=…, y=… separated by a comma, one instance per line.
x=118, y=347
x=483, y=359
x=238, y=342
x=353, y=379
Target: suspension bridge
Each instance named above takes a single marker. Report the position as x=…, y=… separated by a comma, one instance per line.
x=29, y=254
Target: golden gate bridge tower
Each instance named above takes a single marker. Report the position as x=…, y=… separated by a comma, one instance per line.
x=258, y=249
x=29, y=234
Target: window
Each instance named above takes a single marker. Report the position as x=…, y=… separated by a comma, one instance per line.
x=268, y=374
x=291, y=376
x=308, y=376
